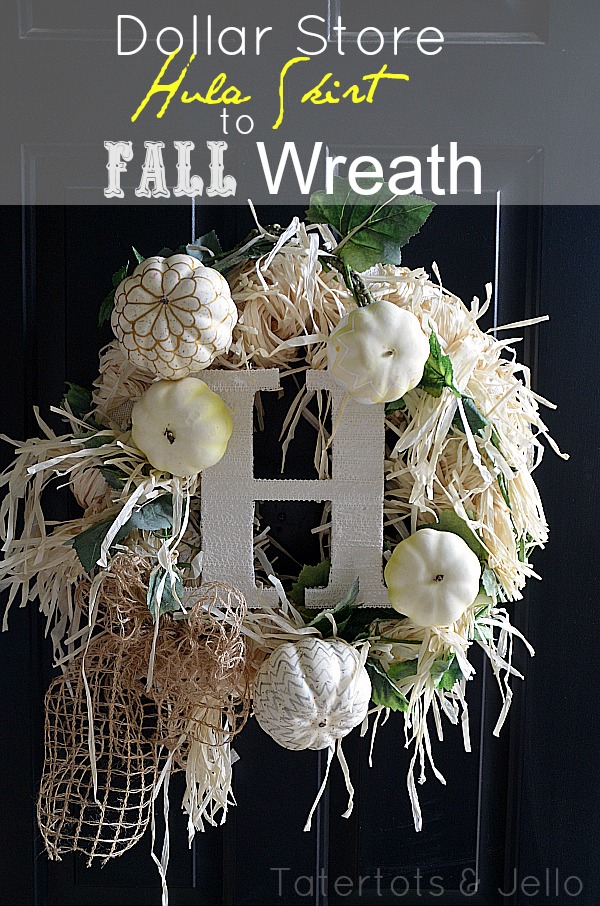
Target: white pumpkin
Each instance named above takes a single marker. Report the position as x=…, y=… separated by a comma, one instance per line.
x=310, y=693
x=182, y=426
x=432, y=577
x=173, y=316
x=378, y=352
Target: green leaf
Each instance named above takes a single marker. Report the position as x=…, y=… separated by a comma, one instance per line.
x=341, y=613
x=402, y=669
x=475, y=419
x=139, y=258
x=210, y=242
x=170, y=599
x=360, y=620
x=153, y=516
x=120, y=275
x=261, y=247
x=394, y=406
x=503, y=485
x=384, y=690
x=109, y=300
x=373, y=232
x=502, y=482
x=449, y=521
x=78, y=398
x=438, y=372
x=89, y=542
x=114, y=478
x=446, y=672
x=489, y=582
x=310, y=577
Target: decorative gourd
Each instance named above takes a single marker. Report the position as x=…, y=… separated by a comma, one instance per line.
x=432, y=577
x=378, y=352
x=309, y=694
x=173, y=316
x=182, y=426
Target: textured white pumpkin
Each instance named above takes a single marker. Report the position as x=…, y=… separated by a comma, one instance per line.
x=378, y=352
x=309, y=694
x=432, y=577
x=182, y=426
x=173, y=316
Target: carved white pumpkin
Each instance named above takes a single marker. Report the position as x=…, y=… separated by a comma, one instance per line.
x=173, y=316
x=378, y=352
x=182, y=427
x=432, y=577
x=311, y=693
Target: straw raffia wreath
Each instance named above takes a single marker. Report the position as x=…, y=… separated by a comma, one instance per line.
x=122, y=584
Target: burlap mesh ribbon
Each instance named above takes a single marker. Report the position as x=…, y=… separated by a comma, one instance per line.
x=106, y=724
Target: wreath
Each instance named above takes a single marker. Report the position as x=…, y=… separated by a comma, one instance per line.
x=163, y=657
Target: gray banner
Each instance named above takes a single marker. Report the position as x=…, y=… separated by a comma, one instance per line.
x=463, y=101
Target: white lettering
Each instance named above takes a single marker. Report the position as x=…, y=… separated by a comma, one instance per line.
x=312, y=34
x=118, y=154
x=126, y=53
x=415, y=173
x=437, y=38
x=374, y=171
x=168, y=51
x=379, y=38
x=153, y=171
x=187, y=185
x=221, y=185
x=289, y=150
x=455, y=164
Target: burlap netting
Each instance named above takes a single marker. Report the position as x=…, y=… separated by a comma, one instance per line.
x=70, y=817
x=137, y=711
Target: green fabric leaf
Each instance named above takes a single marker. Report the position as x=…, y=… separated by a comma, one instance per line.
x=89, y=542
x=310, y=577
x=502, y=482
x=211, y=242
x=373, y=232
x=114, y=478
x=402, y=669
x=360, y=620
x=109, y=300
x=438, y=372
x=120, y=275
x=170, y=599
x=78, y=398
x=445, y=672
x=482, y=633
x=341, y=613
x=489, y=582
x=384, y=691
x=154, y=516
x=475, y=419
x=503, y=485
x=449, y=521
x=394, y=406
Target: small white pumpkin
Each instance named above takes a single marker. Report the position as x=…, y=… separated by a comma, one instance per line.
x=182, y=427
x=173, y=316
x=378, y=352
x=310, y=693
x=432, y=577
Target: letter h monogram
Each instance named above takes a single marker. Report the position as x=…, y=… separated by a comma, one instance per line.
x=229, y=491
